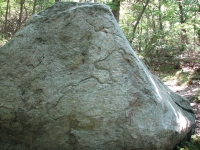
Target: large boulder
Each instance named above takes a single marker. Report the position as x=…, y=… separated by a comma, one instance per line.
x=70, y=80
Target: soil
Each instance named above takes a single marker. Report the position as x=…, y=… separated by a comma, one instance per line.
x=190, y=93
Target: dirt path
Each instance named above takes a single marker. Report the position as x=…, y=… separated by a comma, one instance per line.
x=188, y=92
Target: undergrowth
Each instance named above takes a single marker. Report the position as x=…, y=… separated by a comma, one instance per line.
x=176, y=75
x=193, y=144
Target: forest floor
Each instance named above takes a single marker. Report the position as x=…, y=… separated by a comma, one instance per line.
x=186, y=82
x=190, y=93
x=182, y=83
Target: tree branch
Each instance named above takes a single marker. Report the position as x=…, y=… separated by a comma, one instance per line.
x=140, y=16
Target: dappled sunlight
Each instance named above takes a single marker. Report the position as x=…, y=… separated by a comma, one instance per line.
x=189, y=91
x=183, y=90
x=156, y=88
x=172, y=84
x=182, y=123
x=179, y=121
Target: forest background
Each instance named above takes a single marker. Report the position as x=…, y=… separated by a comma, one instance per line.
x=164, y=33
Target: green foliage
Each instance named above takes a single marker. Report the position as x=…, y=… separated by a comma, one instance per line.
x=2, y=41
x=14, y=15
x=112, y=5
x=193, y=144
x=176, y=75
x=183, y=77
x=160, y=36
x=197, y=97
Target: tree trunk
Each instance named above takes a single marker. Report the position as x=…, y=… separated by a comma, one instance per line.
x=182, y=19
x=6, y=20
x=34, y=5
x=160, y=16
x=198, y=30
x=184, y=39
x=140, y=40
x=140, y=16
x=153, y=21
x=20, y=14
x=116, y=12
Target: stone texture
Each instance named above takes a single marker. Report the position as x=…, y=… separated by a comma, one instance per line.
x=70, y=80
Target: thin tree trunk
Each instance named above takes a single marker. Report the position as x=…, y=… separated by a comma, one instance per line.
x=140, y=16
x=184, y=39
x=20, y=14
x=34, y=6
x=153, y=21
x=182, y=20
x=117, y=10
x=160, y=16
x=198, y=30
x=139, y=40
x=26, y=17
x=6, y=20
x=194, y=30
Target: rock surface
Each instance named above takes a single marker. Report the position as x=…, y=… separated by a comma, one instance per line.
x=70, y=80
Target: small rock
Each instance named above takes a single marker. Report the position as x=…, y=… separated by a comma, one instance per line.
x=192, y=104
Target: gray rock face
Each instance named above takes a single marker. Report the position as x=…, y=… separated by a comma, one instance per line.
x=70, y=80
